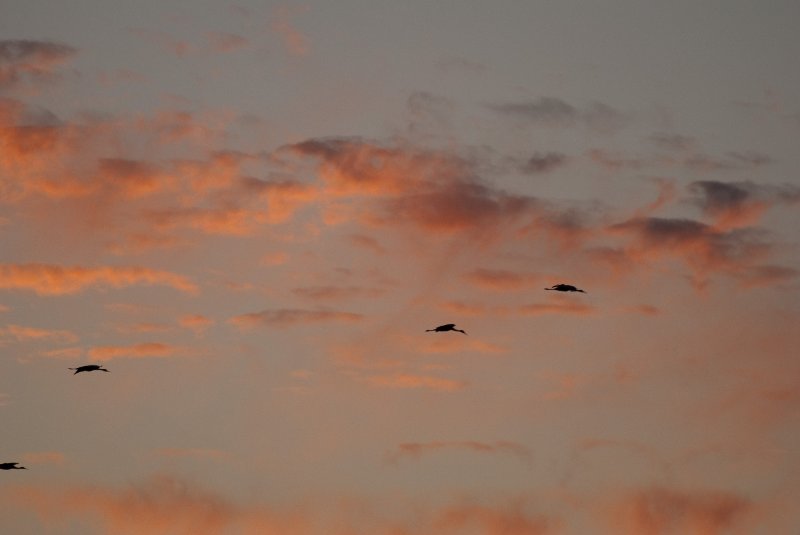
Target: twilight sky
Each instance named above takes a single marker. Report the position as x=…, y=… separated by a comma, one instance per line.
x=250, y=212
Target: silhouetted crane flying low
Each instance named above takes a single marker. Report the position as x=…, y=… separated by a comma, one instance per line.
x=11, y=466
x=565, y=288
x=88, y=368
x=443, y=328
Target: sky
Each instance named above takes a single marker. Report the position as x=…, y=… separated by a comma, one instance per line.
x=251, y=212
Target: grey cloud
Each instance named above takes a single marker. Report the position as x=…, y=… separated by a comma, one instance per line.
x=21, y=58
x=540, y=163
x=554, y=112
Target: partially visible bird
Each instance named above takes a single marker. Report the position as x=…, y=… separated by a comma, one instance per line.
x=88, y=368
x=565, y=288
x=11, y=466
x=447, y=327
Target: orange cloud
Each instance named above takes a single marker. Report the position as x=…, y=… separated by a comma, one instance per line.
x=143, y=350
x=145, y=327
x=415, y=450
x=511, y=520
x=161, y=506
x=43, y=457
x=50, y=279
x=661, y=510
x=196, y=322
x=284, y=317
x=21, y=334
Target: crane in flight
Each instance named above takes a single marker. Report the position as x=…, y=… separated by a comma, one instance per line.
x=565, y=288
x=446, y=327
x=11, y=466
x=88, y=368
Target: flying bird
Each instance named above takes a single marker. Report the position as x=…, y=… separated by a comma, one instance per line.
x=11, y=466
x=443, y=328
x=565, y=288
x=88, y=368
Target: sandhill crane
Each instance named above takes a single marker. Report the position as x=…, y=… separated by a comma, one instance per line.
x=447, y=327
x=11, y=466
x=88, y=368
x=565, y=288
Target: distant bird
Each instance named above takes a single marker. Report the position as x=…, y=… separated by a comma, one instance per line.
x=11, y=466
x=565, y=288
x=443, y=328
x=88, y=368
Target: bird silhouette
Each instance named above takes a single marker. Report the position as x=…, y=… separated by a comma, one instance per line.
x=565, y=288
x=447, y=327
x=88, y=368
x=11, y=466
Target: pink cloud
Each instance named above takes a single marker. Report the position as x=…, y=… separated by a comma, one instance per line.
x=502, y=280
x=294, y=40
x=143, y=350
x=414, y=381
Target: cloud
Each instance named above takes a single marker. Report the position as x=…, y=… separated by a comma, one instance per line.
x=554, y=112
x=703, y=248
x=562, y=307
x=336, y=293
x=547, y=111
x=190, y=453
x=402, y=381
x=502, y=280
x=143, y=350
x=510, y=520
x=226, y=42
x=296, y=43
x=21, y=334
x=739, y=204
x=291, y=316
x=51, y=279
x=145, y=327
x=415, y=450
x=24, y=59
x=673, y=142
x=367, y=242
x=43, y=457
x=435, y=192
x=663, y=510
x=160, y=506
x=196, y=322
x=541, y=163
